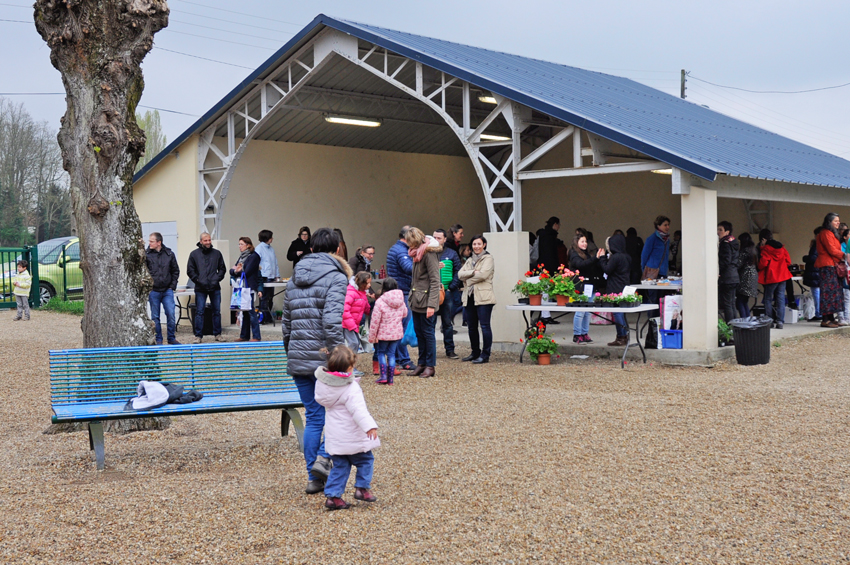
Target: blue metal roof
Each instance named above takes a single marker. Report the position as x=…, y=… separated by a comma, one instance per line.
x=685, y=135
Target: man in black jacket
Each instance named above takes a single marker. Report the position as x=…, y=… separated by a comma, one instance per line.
x=165, y=272
x=728, y=279
x=206, y=269
x=618, y=268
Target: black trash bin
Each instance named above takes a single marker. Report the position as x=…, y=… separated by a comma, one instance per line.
x=208, y=319
x=752, y=340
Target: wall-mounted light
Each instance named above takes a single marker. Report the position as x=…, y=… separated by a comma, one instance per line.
x=663, y=171
x=488, y=137
x=352, y=121
x=487, y=99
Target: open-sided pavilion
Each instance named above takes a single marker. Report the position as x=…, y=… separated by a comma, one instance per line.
x=354, y=126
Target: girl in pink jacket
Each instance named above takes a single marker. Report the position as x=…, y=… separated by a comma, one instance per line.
x=386, y=328
x=350, y=431
x=356, y=306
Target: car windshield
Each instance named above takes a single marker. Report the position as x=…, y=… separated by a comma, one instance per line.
x=49, y=251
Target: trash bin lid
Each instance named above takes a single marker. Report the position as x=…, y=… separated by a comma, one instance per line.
x=751, y=323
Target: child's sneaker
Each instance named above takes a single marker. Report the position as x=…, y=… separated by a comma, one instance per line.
x=587, y=338
x=333, y=503
x=365, y=495
x=15, y=319
x=578, y=339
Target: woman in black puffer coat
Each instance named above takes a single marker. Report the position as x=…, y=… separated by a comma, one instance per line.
x=618, y=268
x=312, y=327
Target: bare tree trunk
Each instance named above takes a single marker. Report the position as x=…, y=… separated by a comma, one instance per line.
x=98, y=46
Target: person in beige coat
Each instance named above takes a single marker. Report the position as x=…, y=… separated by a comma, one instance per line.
x=479, y=298
x=424, y=297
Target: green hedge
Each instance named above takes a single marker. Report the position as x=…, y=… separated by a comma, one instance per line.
x=56, y=304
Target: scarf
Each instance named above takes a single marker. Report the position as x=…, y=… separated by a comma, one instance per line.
x=662, y=235
x=476, y=258
x=242, y=256
x=728, y=238
x=419, y=252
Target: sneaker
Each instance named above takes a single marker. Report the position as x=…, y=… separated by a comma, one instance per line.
x=358, y=373
x=586, y=339
x=407, y=366
x=197, y=339
x=158, y=342
x=578, y=339
x=315, y=487
x=452, y=355
x=334, y=503
x=16, y=319
x=365, y=495
x=780, y=325
x=174, y=342
x=843, y=323
x=220, y=337
x=322, y=467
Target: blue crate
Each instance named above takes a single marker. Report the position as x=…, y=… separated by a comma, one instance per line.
x=671, y=339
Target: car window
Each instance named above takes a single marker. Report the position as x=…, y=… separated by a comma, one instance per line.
x=72, y=252
x=48, y=253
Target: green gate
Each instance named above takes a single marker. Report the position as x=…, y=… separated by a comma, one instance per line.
x=9, y=257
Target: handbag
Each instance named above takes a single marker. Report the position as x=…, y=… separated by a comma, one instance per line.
x=242, y=298
x=650, y=273
x=442, y=294
x=841, y=270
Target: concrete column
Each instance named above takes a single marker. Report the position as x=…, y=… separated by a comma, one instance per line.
x=699, y=268
x=223, y=245
x=510, y=253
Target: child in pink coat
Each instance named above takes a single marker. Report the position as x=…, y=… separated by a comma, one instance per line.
x=350, y=431
x=356, y=306
x=387, y=328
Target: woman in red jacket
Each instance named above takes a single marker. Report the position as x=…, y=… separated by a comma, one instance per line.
x=774, y=261
x=829, y=255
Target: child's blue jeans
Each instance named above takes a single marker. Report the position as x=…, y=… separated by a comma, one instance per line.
x=385, y=350
x=338, y=478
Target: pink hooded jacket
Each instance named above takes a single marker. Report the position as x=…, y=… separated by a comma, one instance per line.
x=356, y=304
x=386, y=324
x=346, y=417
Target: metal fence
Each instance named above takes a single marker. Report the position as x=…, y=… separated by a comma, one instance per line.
x=9, y=257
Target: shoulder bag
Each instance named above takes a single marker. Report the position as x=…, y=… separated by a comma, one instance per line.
x=650, y=273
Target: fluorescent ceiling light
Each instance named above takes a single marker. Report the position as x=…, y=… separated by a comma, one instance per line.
x=488, y=137
x=663, y=171
x=487, y=99
x=352, y=121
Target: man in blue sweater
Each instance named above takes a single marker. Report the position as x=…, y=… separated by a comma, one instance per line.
x=400, y=267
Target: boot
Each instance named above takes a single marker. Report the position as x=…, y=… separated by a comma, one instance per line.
x=619, y=342
x=427, y=373
x=390, y=374
x=382, y=380
x=375, y=367
x=419, y=370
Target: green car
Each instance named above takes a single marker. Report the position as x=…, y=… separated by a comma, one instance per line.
x=54, y=272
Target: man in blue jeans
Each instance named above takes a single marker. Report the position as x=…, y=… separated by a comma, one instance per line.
x=400, y=267
x=206, y=269
x=165, y=272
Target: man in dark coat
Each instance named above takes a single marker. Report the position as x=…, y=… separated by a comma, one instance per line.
x=312, y=327
x=452, y=285
x=400, y=267
x=165, y=272
x=728, y=279
x=548, y=245
x=206, y=269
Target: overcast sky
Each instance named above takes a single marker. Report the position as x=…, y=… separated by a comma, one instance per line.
x=780, y=45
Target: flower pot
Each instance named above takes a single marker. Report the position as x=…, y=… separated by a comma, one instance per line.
x=535, y=299
x=562, y=300
x=544, y=358
x=626, y=305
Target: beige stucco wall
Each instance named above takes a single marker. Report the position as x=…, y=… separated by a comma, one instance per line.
x=169, y=193
x=367, y=194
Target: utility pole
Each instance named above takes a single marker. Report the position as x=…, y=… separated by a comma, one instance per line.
x=684, y=80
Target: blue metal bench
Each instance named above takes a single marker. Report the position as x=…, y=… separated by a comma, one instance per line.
x=93, y=385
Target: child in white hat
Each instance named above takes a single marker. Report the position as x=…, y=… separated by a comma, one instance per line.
x=350, y=431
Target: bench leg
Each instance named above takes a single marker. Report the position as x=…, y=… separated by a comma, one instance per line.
x=96, y=443
x=295, y=417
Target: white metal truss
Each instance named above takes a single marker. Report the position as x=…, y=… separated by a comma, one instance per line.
x=498, y=162
x=760, y=214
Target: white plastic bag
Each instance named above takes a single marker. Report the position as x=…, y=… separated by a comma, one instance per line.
x=807, y=305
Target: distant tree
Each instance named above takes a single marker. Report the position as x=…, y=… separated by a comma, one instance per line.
x=154, y=138
x=98, y=47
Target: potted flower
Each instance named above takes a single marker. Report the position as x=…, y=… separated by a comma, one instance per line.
x=724, y=333
x=564, y=285
x=630, y=300
x=536, y=283
x=539, y=345
x=582, y=301
x=609, y=300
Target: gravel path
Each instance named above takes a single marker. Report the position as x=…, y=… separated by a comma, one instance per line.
x=502, y=463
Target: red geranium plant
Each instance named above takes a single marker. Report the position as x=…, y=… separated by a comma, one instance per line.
x=538, y=342
x=543, y=284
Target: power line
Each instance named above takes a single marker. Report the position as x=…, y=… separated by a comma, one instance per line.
x=15, y=5
x=17, y=21
x=217, y=39
x=203, y=58
x=241, y=13
x=771, y=91
x=227, y=21
x=226, y=30
x=169, y=111
x=63, y=94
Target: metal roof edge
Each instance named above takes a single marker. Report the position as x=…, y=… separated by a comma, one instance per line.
x=245, y=84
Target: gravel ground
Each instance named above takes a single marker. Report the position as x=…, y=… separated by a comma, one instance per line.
x=502, y=463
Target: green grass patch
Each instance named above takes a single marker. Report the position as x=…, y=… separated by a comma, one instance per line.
x=56, y=304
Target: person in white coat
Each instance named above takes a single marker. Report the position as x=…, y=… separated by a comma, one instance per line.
x=350, y=431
